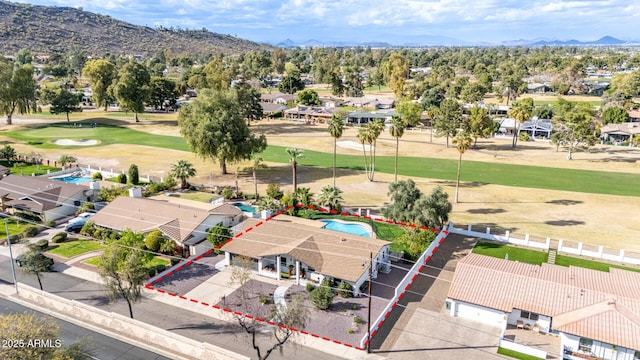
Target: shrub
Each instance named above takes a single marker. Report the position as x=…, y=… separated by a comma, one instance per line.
x=263, y=299
x=134, y=176
x=227, y=193
x=41, y=244
x=151, y=272
x=350, y=331
x=345, y=289
x=15, y=238
x=122, y=178
x=59, y=237
x=160, y=268
x=274, y=191
x=30, y=231
x=50, y=223
x=154, y=240
x=175, y=261
x=88, y=229
x=524, y=136
x=322, y=297
x=357, y=320
x=310, y=287
x=27, y=216
x=96, y=176
x=285, y=275
x=85, y=207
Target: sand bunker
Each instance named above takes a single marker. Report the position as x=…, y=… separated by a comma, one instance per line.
x=352, y=145
x=69, y=142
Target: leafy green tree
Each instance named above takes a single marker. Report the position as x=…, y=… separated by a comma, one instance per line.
x=308, y=97
x=65, y=102
x=415, y=242
x=27, y=326
x=330, y=196
x=472, y=92
x=267, y=203
x=478, y=124
x=17, y=89
x=294, y=154
x=397, y=130
x=134, y=174
x=35, y=263
x=433, y=96
x=463, y=142
x=131, y=88
x=218, y=74
x=249, y=99
x=214, y=128
x=8, y=152
x=65, y=160
x=615, y=115
x=368, y=135
x=434, y=209
x=409, y=112
x=627, y=84
x=543, y=112
x=291, y=84
x=257, y=164
x=162, y=91
x=404, y=196
x=396, y=71
x=447, y=118
x=101, y=74
x=182, y=170
x=574, y=124
x=154, y=240
x=521, y=111
x=218, y=235
x=123, y=273
x=322, y=297
x=335, y=129
x=273, y=190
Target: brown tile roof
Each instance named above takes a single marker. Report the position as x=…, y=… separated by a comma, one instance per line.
x=36, y=193
x=143, y=215
x=628, y=128
x=603, y=306
x=329, y=252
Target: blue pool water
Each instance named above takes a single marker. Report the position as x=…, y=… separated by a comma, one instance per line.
x=244, y=207
x=349, y=228
x=74, y=179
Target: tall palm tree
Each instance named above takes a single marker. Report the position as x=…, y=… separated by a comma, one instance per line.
x=336, y=127
x=258, y=163
x=330, y=196
x=396, y=130
x=294, y=155
x=368, y=134
x=182, y=170
x=463, y=142
x=520, y=111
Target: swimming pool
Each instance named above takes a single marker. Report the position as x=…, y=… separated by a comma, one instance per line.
x=244, y=207
x=347, y=227
x=74, y=179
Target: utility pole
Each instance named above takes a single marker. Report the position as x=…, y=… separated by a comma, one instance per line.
x=369, y=307
x=13, y=269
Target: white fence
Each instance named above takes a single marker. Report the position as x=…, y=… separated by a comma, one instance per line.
x=522, y=349
x=562, y=248
x=404, y=285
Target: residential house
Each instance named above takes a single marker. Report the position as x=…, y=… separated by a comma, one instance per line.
x=597, y=88
x=46, y=198
x=363, y=117
x=634, y=115
x=538, y=88
x=269, y=109
x=330, y=102
x=278, y=98
x=309, y=113
x=185, y=225
x=304, y=250
x=370, y=102
x=617, y=133
x=595, y=313
x=537, y=128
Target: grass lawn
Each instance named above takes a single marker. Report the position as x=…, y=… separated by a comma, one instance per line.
x=27, y=168
x=69, y=249
x=589, y=264
x=92, y=261
x=588, y=181
x=516, y=355
x=196, y=195
x=515, y=254
x=155, y=261
x=14, y=228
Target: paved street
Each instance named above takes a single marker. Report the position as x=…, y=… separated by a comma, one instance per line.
x=100, y=347
x=158, y=314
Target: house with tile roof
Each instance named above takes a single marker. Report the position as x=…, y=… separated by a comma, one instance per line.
x=306, y=251
x=620, y=132
x=48, y=199
x=595, y=313
x=187, y=226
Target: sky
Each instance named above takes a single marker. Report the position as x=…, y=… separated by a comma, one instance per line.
x=394, y=21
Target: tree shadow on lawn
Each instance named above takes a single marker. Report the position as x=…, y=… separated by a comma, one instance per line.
x=465, y=184
x=213, y=328
x=486, y=211
x=564, y=222
x=620, y=159
x=565, y=202
x=508, y=147
x=495, y=228
x=295, y=127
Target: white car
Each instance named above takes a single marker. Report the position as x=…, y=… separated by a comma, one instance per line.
x=81, y=218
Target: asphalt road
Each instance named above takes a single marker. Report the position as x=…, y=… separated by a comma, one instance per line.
x=100, y=347
x=171, y=318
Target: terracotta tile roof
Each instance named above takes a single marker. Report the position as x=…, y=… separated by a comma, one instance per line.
x=143, y=215
x=329, y=252
x=37, y=193
x=603, y=306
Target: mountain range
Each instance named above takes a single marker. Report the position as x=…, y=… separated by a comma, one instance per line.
x=48, y=29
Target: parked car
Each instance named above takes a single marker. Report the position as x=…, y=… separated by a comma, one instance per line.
x=75, y=227
x=81, y=218
x=39, y=257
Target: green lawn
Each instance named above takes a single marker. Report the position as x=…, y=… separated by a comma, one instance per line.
x=197, y=196
x=92, y=261
x=69, y=249
x=515, y=254
x=14, y=228
x=155, y=261
x=597, y=102
x=598, y=182
x=27, y=168
x=516, y=355
x=589, y=264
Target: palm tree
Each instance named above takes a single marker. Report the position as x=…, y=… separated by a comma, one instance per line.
x=304, y=196
x=368, y=134
x=8, y=152
x=336, y=127
x=520, y=111
x=182, y=170
x=463, y=142
x=256, y=165
x=330, y=196
x=396, y=130
x=294, y=155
